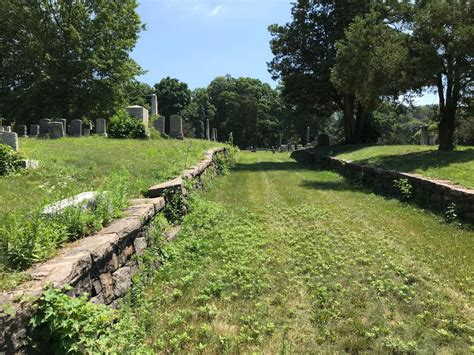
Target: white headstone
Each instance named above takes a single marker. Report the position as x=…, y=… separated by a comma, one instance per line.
x=139, y=112
x=10, y=139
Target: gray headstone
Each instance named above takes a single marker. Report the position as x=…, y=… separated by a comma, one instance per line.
x=215, y=134
x=76, y=128
x=308, y=136
x=433, y=139
x=34, y=130
x=159, y=124
x=64, y=123
x=176, y=127
x=55, y=130
x=22, y=131
x=7, y=128
x=323, y=140
x=208, y=133
x=424, y=138
x=101, y=127
x=154, y=104
x=86, y=132
x=11, y=139
x=139, y=112
x=43, y=125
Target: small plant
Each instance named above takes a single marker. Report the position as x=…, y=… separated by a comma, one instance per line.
x=69, y=325
x=450, y=215
x=123, y=125
x=10, y=160
x=405, y=188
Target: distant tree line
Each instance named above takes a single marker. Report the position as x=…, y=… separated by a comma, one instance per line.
x=348, y=56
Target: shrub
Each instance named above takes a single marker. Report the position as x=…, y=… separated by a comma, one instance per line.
x=123, y=125
x=406, y=190
x=10, y=160
x=65, y=325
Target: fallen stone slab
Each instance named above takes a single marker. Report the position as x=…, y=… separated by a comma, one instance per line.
x=172, y=185
x=84, y=199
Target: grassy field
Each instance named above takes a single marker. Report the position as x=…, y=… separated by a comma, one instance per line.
x=456, y=166
x=69, y=166
x=279, y=258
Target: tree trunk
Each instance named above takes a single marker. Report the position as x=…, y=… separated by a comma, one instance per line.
x=349, y=126
x=446, y=128
x=360, y=122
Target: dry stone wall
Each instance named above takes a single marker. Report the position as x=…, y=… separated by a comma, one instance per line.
x=429, y=193
x=101, y=265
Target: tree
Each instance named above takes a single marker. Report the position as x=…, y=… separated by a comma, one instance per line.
x=443, y=33
x=138, y=93
x=66, y=58
x=371, y=62
x=199, y=111
x=305, y=52
x=173, y=96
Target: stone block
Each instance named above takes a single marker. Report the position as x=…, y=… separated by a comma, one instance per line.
x=22, y=131
x=159, y=124
x=101, y=127
x=10, y=139
x=76, y=128
x=34, y=130
x=140, y=245
x=44, y=127
x=55, y=130
x=176, y=127
x=122, y=280
x=139, y=112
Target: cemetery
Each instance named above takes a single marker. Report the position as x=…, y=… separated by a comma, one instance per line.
x=323, y=205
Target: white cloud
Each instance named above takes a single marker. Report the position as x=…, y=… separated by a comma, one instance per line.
x=216, y=10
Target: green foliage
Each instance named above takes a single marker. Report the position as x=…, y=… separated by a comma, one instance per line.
x=10, y=160
x=64, y=324
x=199, y=110
x=35, y=237
x=175, y=207
x=173, y=96
x=405, y=188
x=123, y=125
x=450, y=216
x=138, y=93
x=66, y=58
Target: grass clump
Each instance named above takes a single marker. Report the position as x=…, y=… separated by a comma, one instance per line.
x=10, y=160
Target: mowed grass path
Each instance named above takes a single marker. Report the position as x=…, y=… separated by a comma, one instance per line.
x=278, y=258
x=456, y=166
x=72, y=165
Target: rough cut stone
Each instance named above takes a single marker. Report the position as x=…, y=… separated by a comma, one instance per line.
x=122, y=281
x=139, y=112
x=76, y=128
x=158, y=190
x=140, y=245
x=101, y=127
x=176, y=127
x=55, y=130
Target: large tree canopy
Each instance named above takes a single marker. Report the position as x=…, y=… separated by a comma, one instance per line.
x=65, y=58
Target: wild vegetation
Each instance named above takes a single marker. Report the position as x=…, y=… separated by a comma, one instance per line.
x=305, y=263
x=123, y=168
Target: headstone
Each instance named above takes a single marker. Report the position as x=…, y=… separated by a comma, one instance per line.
x=34, y=130
x=22, y=131
x=424, y=138
x=55, y=130
x=159, y=124
x=43, y=125
x=139, y=112
x=433, y=139
x=176, y=127
x=323, y=140
x=307, y=136
x=213, y=138
x=215, y=134
x=86, y=132
x=11, y=139
x=7, y=128
x=208, y=134
x=64, y=123
x=101, y=127
x=76, y=128
x=154, y=104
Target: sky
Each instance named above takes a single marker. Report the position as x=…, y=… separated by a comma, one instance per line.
x=197, y=40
